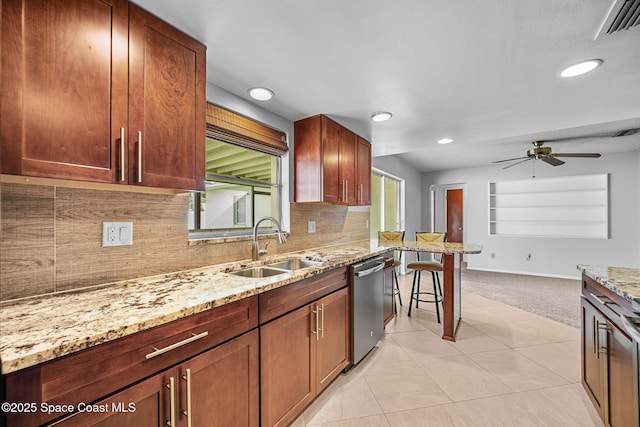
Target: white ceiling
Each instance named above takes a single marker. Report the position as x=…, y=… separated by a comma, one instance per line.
x=485, y=73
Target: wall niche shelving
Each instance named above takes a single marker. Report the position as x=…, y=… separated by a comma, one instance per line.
x=566, y=207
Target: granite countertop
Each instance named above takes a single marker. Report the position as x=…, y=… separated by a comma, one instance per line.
x=39, y=329
x=621, y=280
x=436, y=247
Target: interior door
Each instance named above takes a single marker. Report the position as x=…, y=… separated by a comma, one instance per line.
x=454, y=216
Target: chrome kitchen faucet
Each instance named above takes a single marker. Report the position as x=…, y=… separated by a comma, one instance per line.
x=256, y=251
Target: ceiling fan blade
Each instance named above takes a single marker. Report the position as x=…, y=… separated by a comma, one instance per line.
x=592, y=155
x=517, y=163
x=509, y=160
x=552, y=161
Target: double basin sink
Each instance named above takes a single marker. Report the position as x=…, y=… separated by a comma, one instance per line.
x=276, y=268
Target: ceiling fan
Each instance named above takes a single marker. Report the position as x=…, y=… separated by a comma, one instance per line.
x=546, y=155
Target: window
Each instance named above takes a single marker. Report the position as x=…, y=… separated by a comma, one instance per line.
x=386, y=203
x=243, y=177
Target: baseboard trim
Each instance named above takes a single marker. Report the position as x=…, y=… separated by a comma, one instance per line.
x=527, y=273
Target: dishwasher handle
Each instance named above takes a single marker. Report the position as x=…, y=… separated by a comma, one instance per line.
x=379, y=266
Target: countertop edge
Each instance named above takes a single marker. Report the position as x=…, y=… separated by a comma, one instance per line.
x=629, y=279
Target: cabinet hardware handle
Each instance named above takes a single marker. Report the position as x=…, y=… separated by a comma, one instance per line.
x=192, y=338
x=597, y=298
x=597, y=340
x=187, y=378
x=317, y=331
x=172, y=405
x=322, y=322
x=361, y=193
x=346, y=190
x=594, y=334
x=122, y=154
x=139, y=156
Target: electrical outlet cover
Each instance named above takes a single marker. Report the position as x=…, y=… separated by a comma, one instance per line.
x=117, y=234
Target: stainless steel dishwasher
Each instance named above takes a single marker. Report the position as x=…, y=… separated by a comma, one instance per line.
x=367, y=312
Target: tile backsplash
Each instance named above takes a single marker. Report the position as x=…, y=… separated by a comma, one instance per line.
x=51, y=237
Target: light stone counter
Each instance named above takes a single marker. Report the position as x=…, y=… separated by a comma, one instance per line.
x=39, y=329
x=623, y=281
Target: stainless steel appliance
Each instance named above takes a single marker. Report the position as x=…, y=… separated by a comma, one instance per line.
x=367, y=312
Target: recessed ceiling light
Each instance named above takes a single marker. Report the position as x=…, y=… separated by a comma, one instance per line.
x=445, y=141
x=260, y=93
x=581, y=68
x=381, y=116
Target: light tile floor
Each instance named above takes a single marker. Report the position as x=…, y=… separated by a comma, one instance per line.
x=507, y=368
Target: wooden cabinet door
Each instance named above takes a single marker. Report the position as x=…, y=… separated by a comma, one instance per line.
x=146, y=404
x=348, y=173
x=331, y=181
x=592, y=363
x=63, y=88
x=166, y=105
x=223, y=385
x=622, y=404
x=334, y=338
x=287, y=374
x=363, y=182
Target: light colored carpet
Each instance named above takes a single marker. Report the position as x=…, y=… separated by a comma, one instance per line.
x=557, y=299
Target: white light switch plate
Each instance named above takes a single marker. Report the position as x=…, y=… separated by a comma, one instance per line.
x=311, y=227
x=117, y=234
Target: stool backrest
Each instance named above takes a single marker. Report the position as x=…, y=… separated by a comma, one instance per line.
x=391, y=236
x=422, y=236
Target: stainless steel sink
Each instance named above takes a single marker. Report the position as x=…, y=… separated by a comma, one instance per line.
x=258, y=272
x=294, y=264
x=276, y=268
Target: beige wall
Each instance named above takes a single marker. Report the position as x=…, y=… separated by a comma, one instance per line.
x=51, y=237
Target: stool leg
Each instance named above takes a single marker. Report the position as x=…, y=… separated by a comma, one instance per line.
x=435, y=294
x=418, y=293
x=395, y=276
x=393, y=296
x=413, y=285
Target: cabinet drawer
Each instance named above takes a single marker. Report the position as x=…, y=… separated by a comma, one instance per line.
x=279, y=301
x=93, y=373
x=608, y=302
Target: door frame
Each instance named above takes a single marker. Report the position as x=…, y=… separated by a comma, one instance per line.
x=438, y=197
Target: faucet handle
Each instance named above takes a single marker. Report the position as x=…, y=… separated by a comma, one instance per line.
x=263, y=251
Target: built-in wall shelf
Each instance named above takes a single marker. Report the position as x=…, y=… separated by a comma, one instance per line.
x=572, y=206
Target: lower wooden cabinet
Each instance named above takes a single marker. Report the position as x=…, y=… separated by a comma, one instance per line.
x=216, y=388
x=609, y=374
x=300, y=354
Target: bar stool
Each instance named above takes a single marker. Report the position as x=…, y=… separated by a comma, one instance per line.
x=433, y=266
x=393, y=236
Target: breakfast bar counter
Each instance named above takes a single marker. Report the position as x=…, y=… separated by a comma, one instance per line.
x=452, y=257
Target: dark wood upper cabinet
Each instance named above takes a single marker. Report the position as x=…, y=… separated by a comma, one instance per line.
x=167, y=104
x=332, y=164
x=363, y=180
x=83, y=79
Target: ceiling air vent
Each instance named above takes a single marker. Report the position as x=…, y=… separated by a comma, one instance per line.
x=623, y=15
